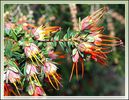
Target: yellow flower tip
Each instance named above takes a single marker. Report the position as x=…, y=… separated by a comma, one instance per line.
x=51, y=29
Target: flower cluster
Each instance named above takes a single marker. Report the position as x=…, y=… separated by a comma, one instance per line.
x=42, y=64
x=93, y=42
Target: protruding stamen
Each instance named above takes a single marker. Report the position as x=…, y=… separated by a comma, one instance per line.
x=57, y=80
x=17, y=88
x=82, y=63
x=51, y=82
x=72, y=72
x=76, y=70
x=32, y=60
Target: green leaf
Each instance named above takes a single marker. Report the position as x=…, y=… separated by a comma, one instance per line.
x=54, y=44
x=18, y=29
x=65, y=36
x=62, y=45
x=56, y=37
x=73, y=34
x=23, y=81
x=13, y=64
x=17, y=55
x=24, y=70
x=7, y=31
x=86, y=31
x=15, y=47
x=13, y=33
x=68, y=33
x=5, y=63
x=8, y=45
x=69, y=44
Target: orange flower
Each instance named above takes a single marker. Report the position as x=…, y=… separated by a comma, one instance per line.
x=43, y=32
x=103, y=40
x=97, y=53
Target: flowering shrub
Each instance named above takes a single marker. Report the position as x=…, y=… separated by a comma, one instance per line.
x=28, y=65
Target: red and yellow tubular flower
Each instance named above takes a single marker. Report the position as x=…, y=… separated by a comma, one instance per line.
x=105, y=40
x=13, y=75
x=50, y=72
x=97, y=53
x=43, y=32
x=76, y=57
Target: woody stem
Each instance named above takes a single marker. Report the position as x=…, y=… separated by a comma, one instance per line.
x=63, y=40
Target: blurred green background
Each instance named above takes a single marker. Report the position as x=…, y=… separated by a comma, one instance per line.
x=98, y=80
